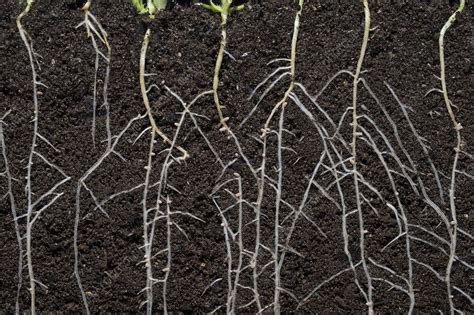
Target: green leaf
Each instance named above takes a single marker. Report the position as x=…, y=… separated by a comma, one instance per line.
x=160, y=4
x=239, y=8
x=151, y=6
x=223, y=8
x=211, y=7
x=139, y=6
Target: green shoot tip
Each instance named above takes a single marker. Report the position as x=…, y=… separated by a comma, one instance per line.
x=223, y=8
x=151, y=6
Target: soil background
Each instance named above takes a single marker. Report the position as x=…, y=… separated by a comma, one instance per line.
x=402, y=51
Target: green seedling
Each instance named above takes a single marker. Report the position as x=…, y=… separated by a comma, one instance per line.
x=151, y=6
x=225, y=9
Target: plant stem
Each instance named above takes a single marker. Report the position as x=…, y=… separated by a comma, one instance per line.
x=457, y=128
x=355, y=134
x=146, y=102
x=215, y=83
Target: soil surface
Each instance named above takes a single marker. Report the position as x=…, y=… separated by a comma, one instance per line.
x=402, y=52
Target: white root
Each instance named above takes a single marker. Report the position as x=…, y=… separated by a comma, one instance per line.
x=354, y=161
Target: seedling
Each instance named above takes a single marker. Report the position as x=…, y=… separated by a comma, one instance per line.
x=224, y=9
x=151, y=8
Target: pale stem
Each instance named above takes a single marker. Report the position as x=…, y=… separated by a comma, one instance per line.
x=146, y=102
x=217, y=70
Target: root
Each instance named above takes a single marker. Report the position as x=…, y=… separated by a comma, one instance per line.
x=277, y=245
x=457, y=128
x=95, y=30
x=14, y=211
x=355, y=173
x=24, y=37
x=82, y=184
x=151, y=216
x=230, y=236
x=291, y=86
x=149, y=271
x=33, y=213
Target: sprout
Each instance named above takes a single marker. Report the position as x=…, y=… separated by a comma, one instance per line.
x=223, y=8
x=151, y=6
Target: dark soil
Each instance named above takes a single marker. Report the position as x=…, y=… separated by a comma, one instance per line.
x=403, y=51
